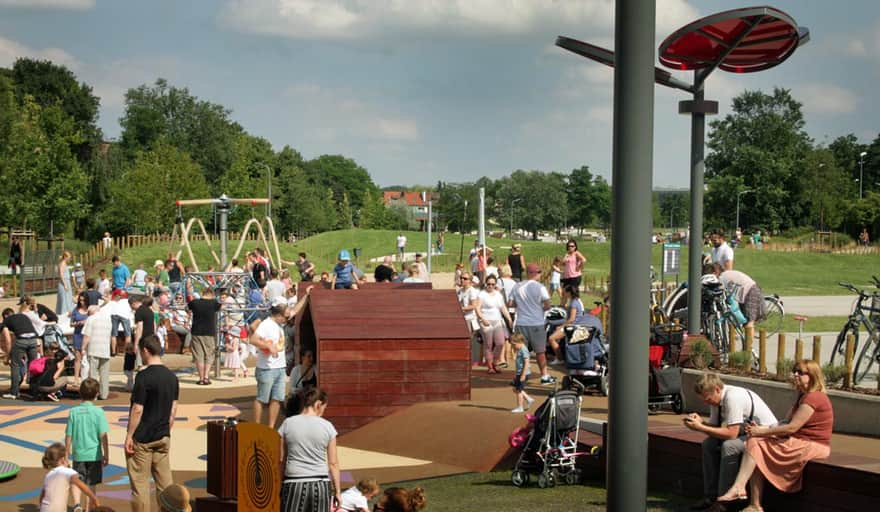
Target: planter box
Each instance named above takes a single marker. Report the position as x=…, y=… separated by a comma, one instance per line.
x=854, y=413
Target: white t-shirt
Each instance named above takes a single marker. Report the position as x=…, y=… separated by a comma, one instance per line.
x=722, y=254
x=307, y=438
x=736, y=405
x=270, y=330
x=353, y=500
x=274, y=289
x=56, y=485
x=529, y=297
x=491, y=270
x=139, y=277
x=104, y=287
x=491, y=305
x=465, y=298
x=401, y=242
x=97, y=328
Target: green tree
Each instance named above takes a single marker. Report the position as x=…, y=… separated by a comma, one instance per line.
x=143, y=198
x=580, y=188
x=871, y=167
x=43, y=183
x=540, y=198
x=342, y=176
x=825, y=189
x=760, y=146
x=248, y=175
x=302, y=206
x=375, y=215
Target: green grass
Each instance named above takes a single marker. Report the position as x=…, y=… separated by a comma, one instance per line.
x=785, y=273
x=493, y=491
x=814, y=324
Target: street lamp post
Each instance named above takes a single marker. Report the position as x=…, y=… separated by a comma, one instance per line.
x=738, y=194
x=861, y=171
x=463, y=218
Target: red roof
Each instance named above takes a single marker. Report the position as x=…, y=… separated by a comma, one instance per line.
x=410, y=198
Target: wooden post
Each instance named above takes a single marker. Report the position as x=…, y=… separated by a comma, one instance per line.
x=750, y=335
x=731, y=338
x=850, y=348
x=817, y=349
x=780, y=354
x=762, y=351
x=798, y=350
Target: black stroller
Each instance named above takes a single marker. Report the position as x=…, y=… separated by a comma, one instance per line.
x=665, y=377
x=550, y=449
x=586, y=358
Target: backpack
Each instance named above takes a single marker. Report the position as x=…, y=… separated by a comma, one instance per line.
x=37, y=367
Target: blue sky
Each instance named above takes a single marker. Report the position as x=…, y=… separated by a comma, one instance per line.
x=424, y=90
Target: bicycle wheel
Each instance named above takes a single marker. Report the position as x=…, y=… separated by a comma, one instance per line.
x=867, y=358
x=838, y=353
x=774, y=315
x=676, y=307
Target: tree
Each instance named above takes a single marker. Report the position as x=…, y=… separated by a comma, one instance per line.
x=163, y=113
x=580, y=187
x=302, y=207
x=252, y=166
x=673, y=209
x=143, y=198
x=43, y=183
x=825, y=188
x=871, y=166
x=541, y=198
x=760, y=146
x=375, y=215
x=342, y=176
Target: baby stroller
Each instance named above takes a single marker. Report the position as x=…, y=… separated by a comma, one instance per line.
x=550, y=448
x=664, y=381
x=586, y=358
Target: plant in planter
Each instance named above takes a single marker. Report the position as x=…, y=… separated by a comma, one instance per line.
x=784, y=368
x=834, y=373
x=740, y=361
x=701, y=354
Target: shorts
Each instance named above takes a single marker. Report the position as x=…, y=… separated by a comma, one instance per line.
x=571, y=281
x=536, y=337
x=115, y=321
x=128, y=361
x=270, y=384
x=519, y=384
x=203, y=348
x=342, y=286
x=90, y=472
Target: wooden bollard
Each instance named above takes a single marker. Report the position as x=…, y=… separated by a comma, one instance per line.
x=780, y=354
x=848, y=360
x=731, y=338
x=762, y=351
x=817, y=349
x=798, y=350
x=750, y=334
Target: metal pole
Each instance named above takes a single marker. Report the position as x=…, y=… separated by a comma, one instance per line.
x=861, y=176
x=695, y=250
x=463, y=219
x=428, y=277
x=736, y=226
x=627, y=473
x=481, y=214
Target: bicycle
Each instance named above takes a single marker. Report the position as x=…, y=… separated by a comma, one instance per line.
x=719, y=313
x=861, y=317
x=676, y=308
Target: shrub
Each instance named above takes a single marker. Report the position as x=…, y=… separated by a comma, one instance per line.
x=834, y=373
x=701, y=354
x=784, y=368
x=741, y=361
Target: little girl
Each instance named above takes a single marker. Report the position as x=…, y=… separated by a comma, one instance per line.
x=56, y=484
x=556, y=276
x=356, y=499
x=233, y=359
x=162, y=332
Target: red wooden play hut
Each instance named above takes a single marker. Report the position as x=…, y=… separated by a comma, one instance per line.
x=383, y=348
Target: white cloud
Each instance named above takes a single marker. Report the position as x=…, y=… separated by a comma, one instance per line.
x=350, y=19
x=110, y=80
x=10, y=51
x=825, y=98
x=337, y=114
x=49, y=4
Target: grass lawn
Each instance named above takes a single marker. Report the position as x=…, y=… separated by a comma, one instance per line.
x=493, y=491
x=785, y=273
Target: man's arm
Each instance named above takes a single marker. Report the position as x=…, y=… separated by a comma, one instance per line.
x=105, y=449
x=68, y=445
x=134, y=419
x=695, y=423
x=173, y=414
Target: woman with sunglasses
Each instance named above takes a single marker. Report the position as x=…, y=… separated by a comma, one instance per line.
x=780, y=453
x=572, y=263
x=468, y=300
x=491, y=310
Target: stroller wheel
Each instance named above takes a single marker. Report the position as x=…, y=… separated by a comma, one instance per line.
x=604, y=385
x=572, y=477
x=546, y=480
x=678, y=403
x=519, y=478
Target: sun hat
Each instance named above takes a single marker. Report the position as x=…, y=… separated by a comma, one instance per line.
x=157, y=263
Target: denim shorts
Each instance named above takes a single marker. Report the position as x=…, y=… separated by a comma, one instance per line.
x=270, y=384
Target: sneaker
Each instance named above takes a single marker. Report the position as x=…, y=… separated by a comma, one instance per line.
x=517, y=410
x=529, y=402
x=52, y=396
x=9, y=396
x=557, y=362
x=548, y=379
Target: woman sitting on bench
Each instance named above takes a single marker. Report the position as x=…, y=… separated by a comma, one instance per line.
x=781, y=452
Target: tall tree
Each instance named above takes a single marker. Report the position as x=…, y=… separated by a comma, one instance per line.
x=826, y=188
x=301, y=207
x=539, y=196
x=580, y=186
x=759, y=146
x=342, y=176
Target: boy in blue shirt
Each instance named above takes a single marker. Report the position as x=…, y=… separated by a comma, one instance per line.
x=86, y=440
x=344, y=273
x=523, y=370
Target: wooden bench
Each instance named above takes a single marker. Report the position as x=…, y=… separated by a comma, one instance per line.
x=840, y=483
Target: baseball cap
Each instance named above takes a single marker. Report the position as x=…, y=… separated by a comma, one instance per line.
x=158, y=262
x=344, y=255
x=119, y=292
x=78, y=265
x=533, y=268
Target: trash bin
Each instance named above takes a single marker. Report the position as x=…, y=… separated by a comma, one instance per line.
x=357, y=252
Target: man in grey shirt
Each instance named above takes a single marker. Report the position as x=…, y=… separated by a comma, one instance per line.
x=531, y=299
x=731, y=409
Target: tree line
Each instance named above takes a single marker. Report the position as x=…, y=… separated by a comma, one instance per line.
x=56, y=170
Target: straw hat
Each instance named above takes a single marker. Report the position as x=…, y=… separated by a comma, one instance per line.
x=175, y=498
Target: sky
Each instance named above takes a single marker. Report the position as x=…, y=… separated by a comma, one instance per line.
x=418, y=91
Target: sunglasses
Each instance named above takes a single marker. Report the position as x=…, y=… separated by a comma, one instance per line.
x=490, y=284
x=570, y=246
x=798, y=372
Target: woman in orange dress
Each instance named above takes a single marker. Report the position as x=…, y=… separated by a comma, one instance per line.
x=781, y=452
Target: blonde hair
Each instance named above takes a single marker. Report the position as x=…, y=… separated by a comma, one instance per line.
x=517, y=338
x=817, y=378
x=64, y=256
x=505, y=271
x=708, y=381
x=368, y=486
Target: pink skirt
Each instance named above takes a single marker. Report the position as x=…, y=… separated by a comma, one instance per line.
x=782, y=460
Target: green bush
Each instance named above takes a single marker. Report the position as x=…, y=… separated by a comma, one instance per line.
x=701, y=354
x=784, y=368
x=834, y=373
x=741, y=361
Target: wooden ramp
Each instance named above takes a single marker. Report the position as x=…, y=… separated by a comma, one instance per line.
x=381, y=349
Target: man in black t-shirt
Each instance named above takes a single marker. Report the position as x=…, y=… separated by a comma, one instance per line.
x=383, y=272
x=25, y=345
x=306, y=268
x=92, y=294
x=150, y=420
x=204, y=331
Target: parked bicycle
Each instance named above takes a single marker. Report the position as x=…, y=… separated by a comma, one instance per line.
x=676, y=308
x=865, y=318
